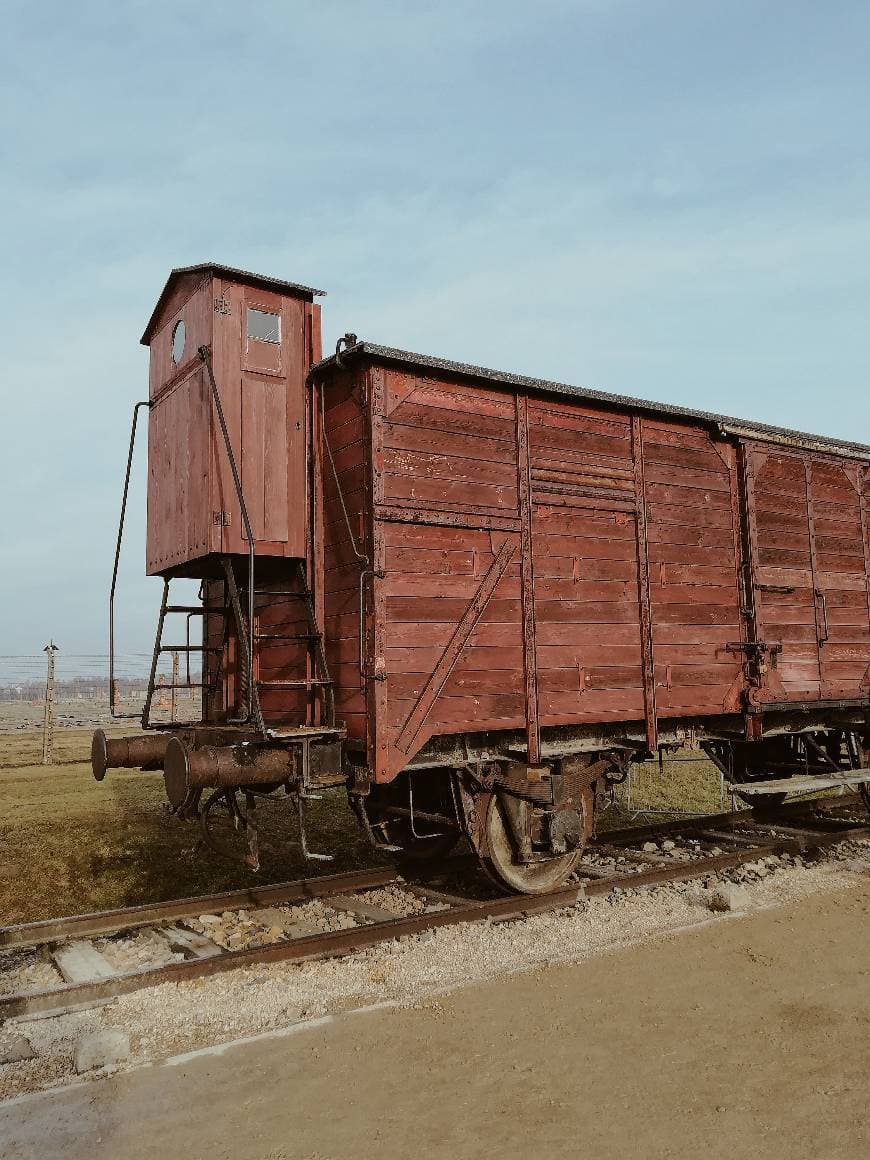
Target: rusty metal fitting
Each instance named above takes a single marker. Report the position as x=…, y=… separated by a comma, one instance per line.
x=226, y=765
x=126, y=752
x=345, y=342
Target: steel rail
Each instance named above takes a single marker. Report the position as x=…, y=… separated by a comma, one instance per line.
x=793, y=839
x=32, y=934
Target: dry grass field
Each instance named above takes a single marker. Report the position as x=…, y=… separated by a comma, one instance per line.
x=70, y=844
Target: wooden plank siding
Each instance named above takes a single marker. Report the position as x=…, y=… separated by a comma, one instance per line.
x=193, y=510
x=811, y=571
x=840, y=565
x=518, y=540
x=449, y=459
x=447, y=493
x=694, y=561
x=346, y=435
x=586, y=565
x=181, y=463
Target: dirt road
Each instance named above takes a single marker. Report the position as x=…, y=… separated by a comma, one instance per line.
x=747, y=1038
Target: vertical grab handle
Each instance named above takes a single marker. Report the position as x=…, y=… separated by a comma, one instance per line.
x=376, y=574
x=113, y=704
x=364, y=574
x=824, y=635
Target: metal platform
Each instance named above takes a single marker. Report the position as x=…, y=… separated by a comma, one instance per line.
x=802, y=783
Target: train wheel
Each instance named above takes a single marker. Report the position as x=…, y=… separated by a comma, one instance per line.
x=498, y=858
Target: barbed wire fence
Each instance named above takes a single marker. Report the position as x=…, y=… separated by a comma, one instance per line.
x=53, y=689
x=56, y=690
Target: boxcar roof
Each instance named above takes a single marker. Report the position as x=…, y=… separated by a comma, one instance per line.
x=248, y=276
x=423, y=362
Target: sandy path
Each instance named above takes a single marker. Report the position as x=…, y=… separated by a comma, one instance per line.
x=746, y=1038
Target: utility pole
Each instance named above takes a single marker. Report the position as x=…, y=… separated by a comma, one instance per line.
x=173, y=700
x=48, y=716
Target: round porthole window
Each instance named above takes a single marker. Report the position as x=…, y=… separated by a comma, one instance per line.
x=178, y=342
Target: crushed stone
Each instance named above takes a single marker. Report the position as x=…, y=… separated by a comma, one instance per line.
x=145, y=948
x=177, y=1017
x=25, y=971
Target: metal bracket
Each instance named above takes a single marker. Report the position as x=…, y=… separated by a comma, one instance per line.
x=309, y=855
x=516, y=814
x=824, y=635
x=358, y=806
x=755, y=669
x=754, y=649
x=344, y=343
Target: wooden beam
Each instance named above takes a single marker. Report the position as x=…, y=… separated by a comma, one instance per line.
x=643, y=587
x=451, y=654
x=527, y=580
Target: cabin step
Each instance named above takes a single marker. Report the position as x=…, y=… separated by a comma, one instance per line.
x=315, y=732
x=190, y=648
x=197, y=609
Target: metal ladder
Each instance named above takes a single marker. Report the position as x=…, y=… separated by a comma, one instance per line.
x=313, y=638
x=167, y=609
x=319, y=679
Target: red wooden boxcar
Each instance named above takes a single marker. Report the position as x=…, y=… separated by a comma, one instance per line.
x=487, y=594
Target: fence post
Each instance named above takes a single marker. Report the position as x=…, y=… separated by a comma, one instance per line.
x=173, y=700
x=48, y=715
x=161, y=702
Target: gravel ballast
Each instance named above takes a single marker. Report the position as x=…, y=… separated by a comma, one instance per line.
x=174, y=1018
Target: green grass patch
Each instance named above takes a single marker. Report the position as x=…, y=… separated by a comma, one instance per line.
x=71, y=844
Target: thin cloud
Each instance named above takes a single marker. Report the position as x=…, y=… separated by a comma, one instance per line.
x=667, y=200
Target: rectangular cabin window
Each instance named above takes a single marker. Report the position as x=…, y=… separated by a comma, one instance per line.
x=263, y=326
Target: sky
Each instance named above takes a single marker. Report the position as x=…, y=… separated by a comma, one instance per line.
x=664, y=199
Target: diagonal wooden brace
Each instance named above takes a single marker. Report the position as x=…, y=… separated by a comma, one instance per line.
x=453, y=651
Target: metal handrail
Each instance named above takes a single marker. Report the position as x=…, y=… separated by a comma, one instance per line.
x=361, y=557
x=114, y=585
x=824, y=635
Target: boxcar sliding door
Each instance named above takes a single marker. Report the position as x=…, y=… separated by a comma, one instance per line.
x=809, y=570
x=636, y=568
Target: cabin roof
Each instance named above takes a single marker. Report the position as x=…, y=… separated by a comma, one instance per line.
x=261, y=281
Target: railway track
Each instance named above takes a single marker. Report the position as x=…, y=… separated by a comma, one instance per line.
x=619, y=859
